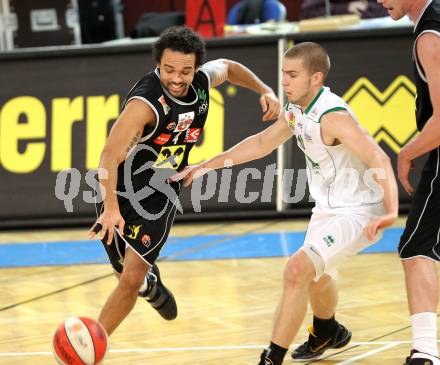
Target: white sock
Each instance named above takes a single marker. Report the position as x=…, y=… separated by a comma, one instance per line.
x=424, y=328
x=144, y=286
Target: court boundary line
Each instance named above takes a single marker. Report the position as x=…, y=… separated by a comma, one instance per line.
x=383, y=344
x=46, y=295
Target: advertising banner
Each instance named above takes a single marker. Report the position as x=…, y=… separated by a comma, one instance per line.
x=56, y=111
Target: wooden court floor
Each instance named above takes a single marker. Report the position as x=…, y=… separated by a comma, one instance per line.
x=225, y=306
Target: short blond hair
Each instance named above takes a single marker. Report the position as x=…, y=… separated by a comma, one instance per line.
x=315, y=57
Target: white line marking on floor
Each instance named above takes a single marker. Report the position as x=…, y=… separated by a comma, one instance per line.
x=384, y=344
x=367, y=354
x=160, y=349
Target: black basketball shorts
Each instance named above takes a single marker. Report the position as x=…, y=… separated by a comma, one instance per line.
x=421, y=236
x=146, y=229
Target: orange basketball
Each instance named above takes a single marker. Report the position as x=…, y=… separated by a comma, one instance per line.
x=80, y=341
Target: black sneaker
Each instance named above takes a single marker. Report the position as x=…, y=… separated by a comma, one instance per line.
x=159, y=296
x=314, y=347
x=264, y=360
x=420, y=358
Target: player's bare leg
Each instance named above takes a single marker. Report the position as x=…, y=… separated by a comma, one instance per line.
x=298, y=275
x=325, y=332
x=323, y=295
x=123, y=298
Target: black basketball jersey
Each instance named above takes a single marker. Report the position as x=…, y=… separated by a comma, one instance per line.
x=178, y=127
x=429, y=22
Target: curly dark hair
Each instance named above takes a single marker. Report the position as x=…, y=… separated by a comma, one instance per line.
x=180, y=39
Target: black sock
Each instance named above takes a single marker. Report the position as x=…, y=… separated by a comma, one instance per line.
x=274, y=353
x=324, y=328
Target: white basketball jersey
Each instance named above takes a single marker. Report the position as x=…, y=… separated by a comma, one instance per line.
x=337, y=178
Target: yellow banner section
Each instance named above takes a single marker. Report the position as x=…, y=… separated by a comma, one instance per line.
x=26, y=134
x=389, y=116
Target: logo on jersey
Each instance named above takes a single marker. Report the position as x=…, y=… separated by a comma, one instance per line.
x=170, y=157
x=291, y=118
x=313, y=113
x=162, y=139
x=146, y=240
x=165, y=106
x=192, y=135
x=201, y=94
x=134, y=231
x=329, y=240
x=185, y=120
x=171, y=126
x=203, y=108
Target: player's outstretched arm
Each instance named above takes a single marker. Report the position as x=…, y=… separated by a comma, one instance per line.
x=251, y=148
x=428, y=51
x=124, y=135
x=222, y=70
x=341, y=126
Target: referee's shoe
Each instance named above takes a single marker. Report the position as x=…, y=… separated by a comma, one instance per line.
x=420, y=358
x=159, y=296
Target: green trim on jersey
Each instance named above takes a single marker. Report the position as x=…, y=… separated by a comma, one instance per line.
x=335, y=109
x=301, y=142
x=333, y=178
x=314, y=100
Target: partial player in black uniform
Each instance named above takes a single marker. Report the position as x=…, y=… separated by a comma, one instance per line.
x=419, y=246
x=161, y=120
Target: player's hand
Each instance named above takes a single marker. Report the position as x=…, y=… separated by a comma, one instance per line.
x=270, y=105
x=106, y=224
x=357, y=7
x=377, y=224
x=187, y=175
x=404, y=166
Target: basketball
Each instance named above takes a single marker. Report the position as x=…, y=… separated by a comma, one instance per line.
x=80, y=341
